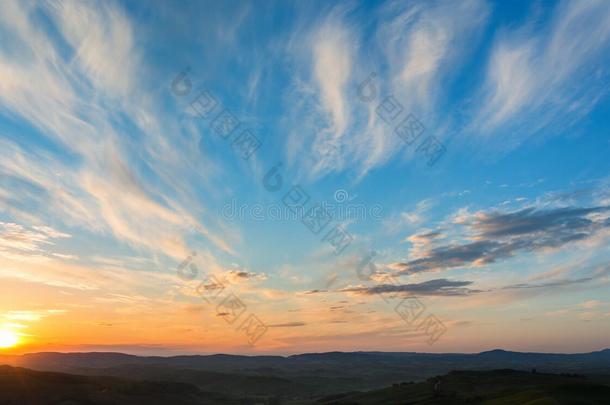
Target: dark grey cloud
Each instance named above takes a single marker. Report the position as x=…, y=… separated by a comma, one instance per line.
x=287, y=325
x=241, y=275
x=315, y=291
x=600, y=272
x=555, y=283
x=428, y=236
x=530, y=221
x=453, y=256
x=438, y=287
x=462, y=323
x=497, y=236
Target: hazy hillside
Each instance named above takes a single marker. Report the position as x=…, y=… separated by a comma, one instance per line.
x=328, y=364
x=489, y=387
x=22, y=386
x=305, y=375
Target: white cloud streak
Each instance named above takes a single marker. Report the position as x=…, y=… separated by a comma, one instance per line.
x=540, y=78
x=74, y=88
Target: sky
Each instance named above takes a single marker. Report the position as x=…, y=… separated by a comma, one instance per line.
x=288, y=177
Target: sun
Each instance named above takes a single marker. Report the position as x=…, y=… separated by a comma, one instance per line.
x=8, y=339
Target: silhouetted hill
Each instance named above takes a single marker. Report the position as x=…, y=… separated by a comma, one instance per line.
x=21, y=386
x=306, y=375
x=234, y=384
x=486, y=387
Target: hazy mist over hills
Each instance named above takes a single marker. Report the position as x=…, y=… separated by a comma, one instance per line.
x=340, y=376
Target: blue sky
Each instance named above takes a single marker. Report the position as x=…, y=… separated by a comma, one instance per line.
x=110, y=178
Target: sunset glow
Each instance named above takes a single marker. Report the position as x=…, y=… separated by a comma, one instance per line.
x=291, y=202
x=289, y=177
x=8, y=339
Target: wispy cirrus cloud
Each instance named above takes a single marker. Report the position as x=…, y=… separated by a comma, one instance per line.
x=94, y=145
x=539, y=77
x=424, y=42
x=567, y=278
x=16, y=237
x=332, y=54
x=76, y=84
x=410, y=218
x=321, y=91
x=31, y=316
x=413, y=51
x=103, y=42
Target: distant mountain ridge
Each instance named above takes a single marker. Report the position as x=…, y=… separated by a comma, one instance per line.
x=24, y=386
x=109, y=359
x=505, y=386
x=306, y=362
x=305, y=375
